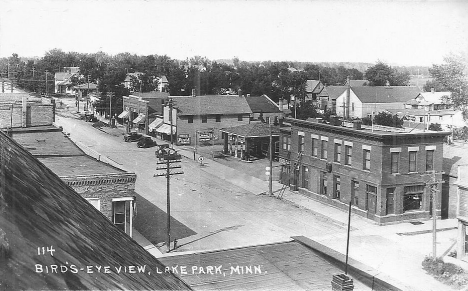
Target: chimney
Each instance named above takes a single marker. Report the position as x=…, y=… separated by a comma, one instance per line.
x=194, y=94
x=240, y=92
x=432, y=90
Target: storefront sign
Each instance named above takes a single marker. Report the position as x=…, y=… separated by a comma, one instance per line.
x=204, y=136
x=183, y=139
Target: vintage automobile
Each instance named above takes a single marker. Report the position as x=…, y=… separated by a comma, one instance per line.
x=161, y=151
x=132, y=136
x=146, y=142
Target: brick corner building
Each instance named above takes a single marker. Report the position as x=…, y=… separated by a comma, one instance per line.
x=383, y=171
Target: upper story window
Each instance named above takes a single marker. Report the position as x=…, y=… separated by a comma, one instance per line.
x=204, y=119
x=239, y=117
x=430, y=160
x=190, y=119
x=315, y=147
x=348, y=154
x=395, y=160
x=286, y=143
x=366, y=159
x=413, y=161
x=218, y=118
x=337, y=152
x=324, y=149
x=301, y=142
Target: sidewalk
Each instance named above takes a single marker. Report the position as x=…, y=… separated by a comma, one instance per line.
x=395, y=250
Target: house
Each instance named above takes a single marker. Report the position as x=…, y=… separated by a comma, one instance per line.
x=327, y=97
x=383, y=171
x=63, y=80
x=365, y=100
x=163, y=84
x=432, y=101
x=264, y=109
x=97, y=179
x=199, y=118
x=313, y=88
x=462, y=211
x=128, y=80
x=51, y=238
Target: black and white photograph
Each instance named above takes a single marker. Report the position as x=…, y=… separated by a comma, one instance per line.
x=234, y=145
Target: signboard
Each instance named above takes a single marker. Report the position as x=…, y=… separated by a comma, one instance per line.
x=204, y=136
x=183, y=139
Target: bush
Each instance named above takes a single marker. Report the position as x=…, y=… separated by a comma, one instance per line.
x=448, y=273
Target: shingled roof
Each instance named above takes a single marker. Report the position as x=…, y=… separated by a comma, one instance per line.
x=262, y=104
x=332, y=92
x=386, y=94
x=37, y=209
x=211, y=104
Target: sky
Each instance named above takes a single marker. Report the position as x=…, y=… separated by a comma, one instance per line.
x=395, y=32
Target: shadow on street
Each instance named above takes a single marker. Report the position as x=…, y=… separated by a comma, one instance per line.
x=151, y=223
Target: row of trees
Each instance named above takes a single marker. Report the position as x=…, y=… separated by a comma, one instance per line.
x=275, y=79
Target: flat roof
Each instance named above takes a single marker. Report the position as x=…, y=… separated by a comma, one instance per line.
x=78, y=165
x=380, y=132
x=47, y=143
x=59, y=153
x=279, y=266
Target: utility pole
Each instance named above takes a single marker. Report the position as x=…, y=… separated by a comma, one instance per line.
x=270, y=178
x=87, y=93
x=433, y=185
x=33, y=70
x=111, y=94
x=46, y=83
x=170, y=119
x=169, y=156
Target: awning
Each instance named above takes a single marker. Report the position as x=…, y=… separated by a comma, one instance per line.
x=166, y=128
x=124, y=114
x=140, y=119
x=155, y=124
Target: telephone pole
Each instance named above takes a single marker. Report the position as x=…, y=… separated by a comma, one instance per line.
x=270, y=177
x=46, y=83
x=169, y=156
x=110, y=94
x=433, y=187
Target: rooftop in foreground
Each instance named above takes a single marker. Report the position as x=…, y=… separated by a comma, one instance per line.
x=39, y=212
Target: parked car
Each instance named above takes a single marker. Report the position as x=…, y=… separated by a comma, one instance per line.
x=146, y=142
x=132, y=136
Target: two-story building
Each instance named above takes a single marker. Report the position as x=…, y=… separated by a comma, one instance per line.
x=199, y=118
x=383, y=172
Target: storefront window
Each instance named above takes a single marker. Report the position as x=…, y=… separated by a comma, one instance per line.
x=412, y=197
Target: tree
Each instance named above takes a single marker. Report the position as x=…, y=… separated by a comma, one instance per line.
x=387, y=119
x=451, y=77
x=307, y=110
x=382, y=74
x=435, y=127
